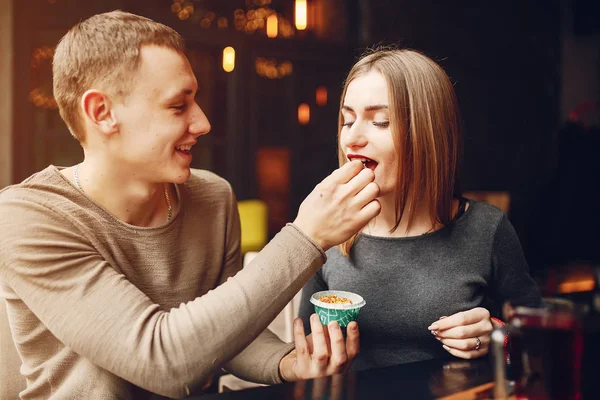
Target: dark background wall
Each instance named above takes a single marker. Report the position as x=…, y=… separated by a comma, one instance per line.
x=505, y=60
x=519, y=67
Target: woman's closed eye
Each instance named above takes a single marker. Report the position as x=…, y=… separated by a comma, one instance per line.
x=348, y=123
x=381, y=124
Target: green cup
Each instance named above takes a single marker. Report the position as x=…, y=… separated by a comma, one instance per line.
x=342, y=313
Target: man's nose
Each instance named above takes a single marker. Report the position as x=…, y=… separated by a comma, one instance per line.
x=199, y=124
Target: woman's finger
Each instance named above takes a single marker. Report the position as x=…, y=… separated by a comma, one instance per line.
x=320, y=355
x=467, y=355
x=469, y=344
x=481, y=328
x=462, y=318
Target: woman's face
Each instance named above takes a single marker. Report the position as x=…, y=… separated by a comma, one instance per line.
x=365, y=133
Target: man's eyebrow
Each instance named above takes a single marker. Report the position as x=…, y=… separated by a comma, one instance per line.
x=175, y=95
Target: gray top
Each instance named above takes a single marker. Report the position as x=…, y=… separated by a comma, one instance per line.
x=409, y=283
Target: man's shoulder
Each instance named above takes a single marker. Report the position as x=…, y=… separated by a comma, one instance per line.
x=201, y=179
x=37, y=188
x=205, y=187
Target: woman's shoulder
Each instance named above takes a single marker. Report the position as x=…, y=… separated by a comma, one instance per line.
x=334, y=256
x=480, y=212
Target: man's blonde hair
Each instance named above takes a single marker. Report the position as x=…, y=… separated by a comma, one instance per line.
x=103, y=52
x=426, y=130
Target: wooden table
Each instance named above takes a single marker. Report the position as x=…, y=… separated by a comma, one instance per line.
x=432, y=379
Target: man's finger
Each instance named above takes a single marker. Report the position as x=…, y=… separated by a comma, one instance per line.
x=352, y=341
x=338, y=347
x=345, y=173
x=367, y=194
x=320, y=355
x=309, y=343
x=460, y=318
x=369, y=212
x=359, y=182
x=302, y=354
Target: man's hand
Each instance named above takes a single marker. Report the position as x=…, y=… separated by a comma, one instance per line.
x=465, y=334
x=323, y=352
x=340, y=205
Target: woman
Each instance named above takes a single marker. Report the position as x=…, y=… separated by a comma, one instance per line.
x=431, y=263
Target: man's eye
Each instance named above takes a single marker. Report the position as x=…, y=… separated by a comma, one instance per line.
x=180, y=107
x=382, y=124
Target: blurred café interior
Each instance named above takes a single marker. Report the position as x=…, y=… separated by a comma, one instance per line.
x=270, y=74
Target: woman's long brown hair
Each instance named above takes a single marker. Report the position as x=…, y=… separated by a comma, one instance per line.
x=425, y=124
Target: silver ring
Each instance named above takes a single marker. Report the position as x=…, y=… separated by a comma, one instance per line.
x=478, y=345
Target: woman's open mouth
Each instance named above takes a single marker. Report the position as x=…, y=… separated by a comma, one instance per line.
x=367, y=162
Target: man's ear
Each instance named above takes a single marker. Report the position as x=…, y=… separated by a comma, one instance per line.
x=97, y=111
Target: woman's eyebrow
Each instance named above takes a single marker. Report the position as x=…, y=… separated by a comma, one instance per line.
x=374, y=107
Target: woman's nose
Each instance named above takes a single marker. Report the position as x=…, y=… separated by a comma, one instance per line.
x=354, y=136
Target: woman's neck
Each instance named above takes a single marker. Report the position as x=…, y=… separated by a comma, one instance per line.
x=383, y=224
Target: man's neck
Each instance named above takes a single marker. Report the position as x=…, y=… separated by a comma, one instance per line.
x=129, y=199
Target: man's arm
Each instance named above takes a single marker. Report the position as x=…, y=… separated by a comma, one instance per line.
x=98, y=313
x=259, y=362
x=11, y=381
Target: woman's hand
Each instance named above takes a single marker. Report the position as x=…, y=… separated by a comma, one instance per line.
x=465, y=334
x=323, y=352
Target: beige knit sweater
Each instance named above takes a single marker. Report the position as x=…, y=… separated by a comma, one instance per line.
x=99, y=309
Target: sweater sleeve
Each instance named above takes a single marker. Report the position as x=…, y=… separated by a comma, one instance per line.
x=511, y=279
x=259, y=362
x=315, y=284
x=98, y=313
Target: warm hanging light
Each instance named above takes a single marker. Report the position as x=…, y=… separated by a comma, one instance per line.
x=303, y=114
x=272, y=25
x=228, y=59
x=301, y=15
x=321, y=96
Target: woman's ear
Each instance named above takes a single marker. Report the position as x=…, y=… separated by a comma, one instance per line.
x=97, y=111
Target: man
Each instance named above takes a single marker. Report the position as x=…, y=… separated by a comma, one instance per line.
x=122, y=275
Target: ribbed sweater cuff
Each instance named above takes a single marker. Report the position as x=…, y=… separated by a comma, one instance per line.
x=303, y=235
